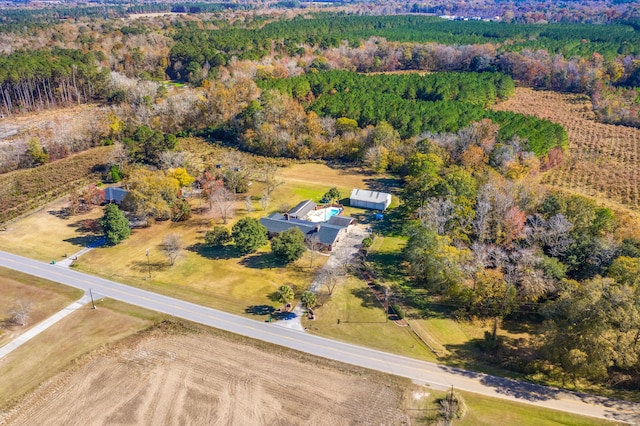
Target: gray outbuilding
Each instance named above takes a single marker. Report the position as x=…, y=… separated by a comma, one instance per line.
x=369, y=199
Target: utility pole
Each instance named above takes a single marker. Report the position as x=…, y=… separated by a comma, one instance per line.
x=148, y=262
x=92, y=302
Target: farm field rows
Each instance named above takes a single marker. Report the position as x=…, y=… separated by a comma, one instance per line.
x=603, y=160
x=177, y=372
x=171, y=377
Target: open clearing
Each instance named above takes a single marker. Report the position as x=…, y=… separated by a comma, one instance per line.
x=174, y=378
x=604, y=159
x=54, y=124
x=48, y=234
x=181, y=373
x=54, y=349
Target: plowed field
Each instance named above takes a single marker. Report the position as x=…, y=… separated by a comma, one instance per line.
x=603, y=160
x=200, y=379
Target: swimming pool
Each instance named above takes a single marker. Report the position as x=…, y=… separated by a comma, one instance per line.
x=323, y=215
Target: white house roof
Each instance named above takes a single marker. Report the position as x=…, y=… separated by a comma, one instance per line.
x=369, y=196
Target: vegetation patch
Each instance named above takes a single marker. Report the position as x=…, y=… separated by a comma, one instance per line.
x=25, y=190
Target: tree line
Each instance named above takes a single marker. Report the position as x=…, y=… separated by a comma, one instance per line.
x=41, y=79
x=563, y=57
x=486, y=242
x=414, y=104
x=329, y=30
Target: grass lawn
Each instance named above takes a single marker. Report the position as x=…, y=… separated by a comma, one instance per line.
x=48, y=234
x=222, y=278
x=363, y=322
x=313, y=180
x=483, y=410
x=47, y=298
x=53, y=350
x=219, y=278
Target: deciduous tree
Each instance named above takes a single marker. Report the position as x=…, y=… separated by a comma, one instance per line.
x=285, y=294
x=289, y=245
x=308, y=300
x=20, y=312
x=249, y=235
x=217, y=237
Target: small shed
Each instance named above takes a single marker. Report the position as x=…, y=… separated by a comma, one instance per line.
x=114, y=195
x=369, y=199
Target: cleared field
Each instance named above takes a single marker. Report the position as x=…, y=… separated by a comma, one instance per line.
x=46, y=297
x=180, y=373
x=604, y=159
x=197, y=378
x=54, y=350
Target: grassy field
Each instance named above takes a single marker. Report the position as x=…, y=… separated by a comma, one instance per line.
x=53, y=350
x=46, y=297
x=48, y=233
x=218, y=278
x=363, y=322
x=483, y=410
x=222, y=278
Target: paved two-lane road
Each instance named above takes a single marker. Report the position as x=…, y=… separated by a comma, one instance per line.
x=420, y=371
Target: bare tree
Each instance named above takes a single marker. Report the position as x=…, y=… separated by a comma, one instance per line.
x=314, y=246
x=172, y=245
x=481, y=222
x=270, y=173
x=248, y=204
x=224, y=201
x=436, y=214
x=452, y=407
x=557, y=236
x=172, y=159
x=20, y=312
x=330, y=279
x=264, y=201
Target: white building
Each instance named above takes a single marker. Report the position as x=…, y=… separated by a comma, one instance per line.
x=369, y=199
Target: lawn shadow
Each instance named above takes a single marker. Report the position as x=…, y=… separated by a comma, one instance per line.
x=144, y=266
x=274, y=297
x=215, y=253
x=260, y=310
x=386, y=184
x=368, y=299
x=86, y=240
x=62, y=213
x=392, y=224
x=388, y=265
x=261, y=261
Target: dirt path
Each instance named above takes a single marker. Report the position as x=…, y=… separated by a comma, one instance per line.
x=344, y=252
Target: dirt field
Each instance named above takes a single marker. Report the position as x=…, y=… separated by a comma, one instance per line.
x=604, y=159
x=163, y=378
x=55, y=124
